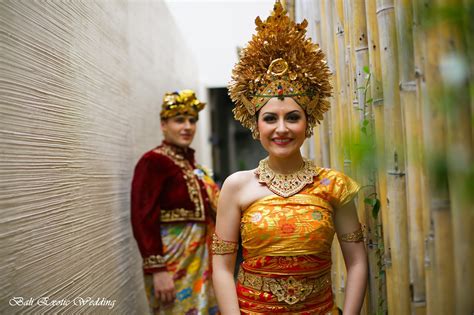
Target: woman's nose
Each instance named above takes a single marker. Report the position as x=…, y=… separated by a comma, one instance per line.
x=281, y=127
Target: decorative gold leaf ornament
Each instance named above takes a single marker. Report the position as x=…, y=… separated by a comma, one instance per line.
x=183, y=102
x=279, y=61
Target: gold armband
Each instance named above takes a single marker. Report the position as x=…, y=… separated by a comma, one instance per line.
x=154, y=261
x=356, y=236
x=221, y=247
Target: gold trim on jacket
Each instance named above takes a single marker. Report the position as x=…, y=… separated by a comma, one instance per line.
x=194, y=190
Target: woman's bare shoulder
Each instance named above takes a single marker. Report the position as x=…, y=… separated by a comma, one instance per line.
x=238, y=179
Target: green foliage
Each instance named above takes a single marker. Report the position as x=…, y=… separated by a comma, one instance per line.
x=363, y=153
x=455, y=14
x=375, y=204
x=361, y=143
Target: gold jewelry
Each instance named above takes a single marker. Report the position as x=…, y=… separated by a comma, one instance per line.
x=183, y=102
x=279, y=61
x=286, y=185
x=356, y=236
x=154, y=261
x=291, y=290
x=221, y=247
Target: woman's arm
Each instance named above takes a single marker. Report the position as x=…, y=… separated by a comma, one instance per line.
x=355, y=257
x=227, y=231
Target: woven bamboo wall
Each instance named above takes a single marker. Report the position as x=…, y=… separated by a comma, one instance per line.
x=80, y=88
x=401, y=123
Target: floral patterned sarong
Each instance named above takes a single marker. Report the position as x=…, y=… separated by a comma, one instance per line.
x=187, y=256
x=287, y=248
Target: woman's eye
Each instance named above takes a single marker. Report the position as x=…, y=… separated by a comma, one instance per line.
x=269, y=118
x=293, y=117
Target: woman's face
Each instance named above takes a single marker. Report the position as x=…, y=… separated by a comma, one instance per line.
x=282, y=127
x=179, y=130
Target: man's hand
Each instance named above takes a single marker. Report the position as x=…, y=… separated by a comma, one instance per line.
x=164, y=287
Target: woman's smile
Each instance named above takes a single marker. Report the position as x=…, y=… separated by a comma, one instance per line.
x=282, y=141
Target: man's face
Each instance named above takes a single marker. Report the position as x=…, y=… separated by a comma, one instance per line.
x=179, y=130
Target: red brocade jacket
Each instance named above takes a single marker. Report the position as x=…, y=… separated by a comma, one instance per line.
x=167, y=187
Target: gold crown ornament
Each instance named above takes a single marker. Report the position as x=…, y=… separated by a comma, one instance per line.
x=183, y=102
x=279, y=61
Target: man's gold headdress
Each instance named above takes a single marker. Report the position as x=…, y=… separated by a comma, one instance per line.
x=280, y=62
x=183, y=102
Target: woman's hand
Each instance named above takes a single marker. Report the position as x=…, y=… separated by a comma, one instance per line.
x=164, y=287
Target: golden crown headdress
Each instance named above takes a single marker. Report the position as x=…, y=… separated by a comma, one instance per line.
x=279, y=61
x=183, y=102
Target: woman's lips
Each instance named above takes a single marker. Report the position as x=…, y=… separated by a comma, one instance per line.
x=282, y=141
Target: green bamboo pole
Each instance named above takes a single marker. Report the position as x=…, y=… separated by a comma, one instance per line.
x=404, y=17
x=382, y=244
x=395, y=157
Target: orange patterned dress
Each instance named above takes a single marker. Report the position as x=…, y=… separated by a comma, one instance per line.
x=287, y=248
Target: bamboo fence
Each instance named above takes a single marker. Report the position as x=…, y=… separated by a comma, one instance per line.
x=403, y=104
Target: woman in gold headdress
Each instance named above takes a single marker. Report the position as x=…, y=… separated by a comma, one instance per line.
x=287, y=210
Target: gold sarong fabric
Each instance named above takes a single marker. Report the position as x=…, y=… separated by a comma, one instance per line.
x=287, y=248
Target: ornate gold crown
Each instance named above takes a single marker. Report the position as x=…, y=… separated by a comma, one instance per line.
x=279, y=61
x=183, y=102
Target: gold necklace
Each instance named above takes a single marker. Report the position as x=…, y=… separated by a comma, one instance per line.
x=286, y=185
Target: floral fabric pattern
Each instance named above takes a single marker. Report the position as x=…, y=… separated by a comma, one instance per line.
x=289, y=240
x=188, y=260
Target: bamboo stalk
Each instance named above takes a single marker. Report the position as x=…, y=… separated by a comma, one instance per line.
x=341, y=83
x=394, y=153
x=460, y=156
x=468, y=33
x=350, y=104
x=434, y=134
x=326, y=124
x=385, y=299
x=404, y=16
x=319, y=132
x=422, y=98
x=363, y=112
x=337, y=155
x=357, y=50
